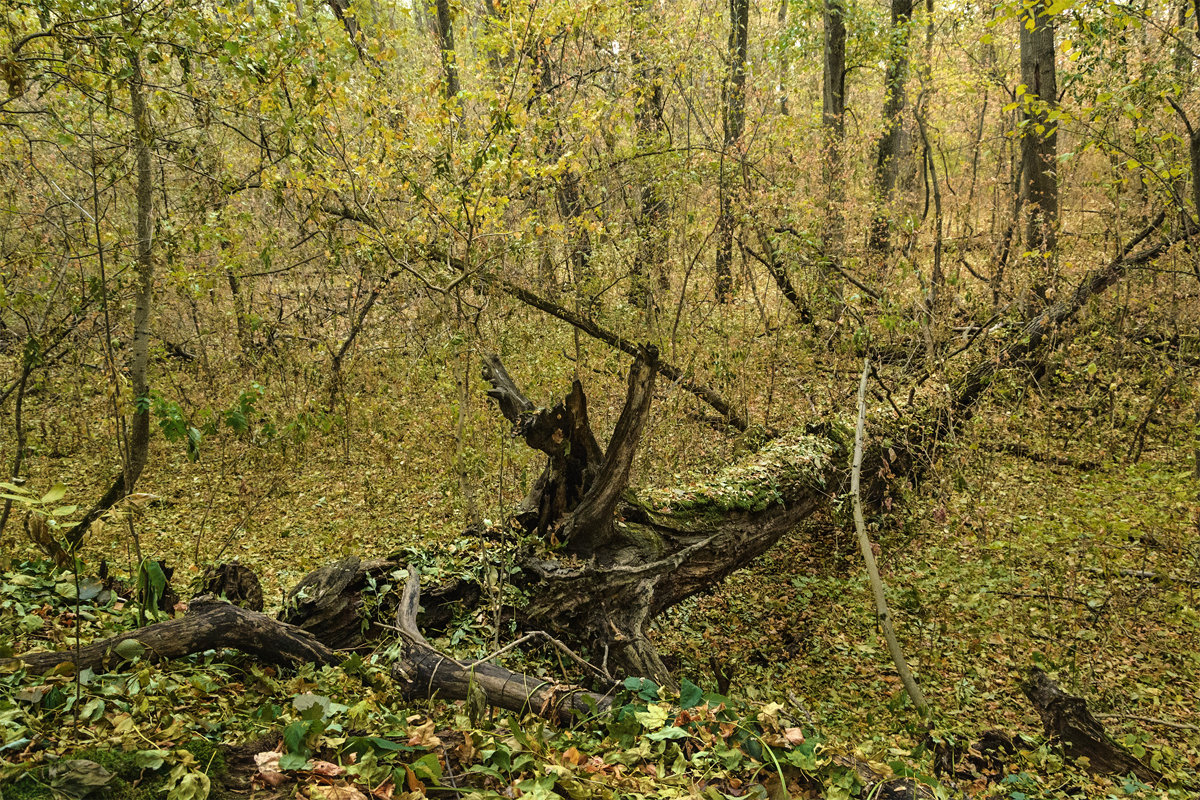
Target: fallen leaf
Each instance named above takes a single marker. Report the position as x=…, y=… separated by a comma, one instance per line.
x=422, y=736
x=268, y=768
x=385, y=790
x=328, y=769
x=335, y=792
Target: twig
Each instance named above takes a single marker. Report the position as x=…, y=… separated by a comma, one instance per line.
x=1152, y=720
x=864, y=543
x=556, y=644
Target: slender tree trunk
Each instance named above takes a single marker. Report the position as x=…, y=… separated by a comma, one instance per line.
x=882, y=613
x=734, y=124
x=1039, y=142
x=445, y=30
x=139, y=429
x=833, y=120
x=651, y=215
x=887, y=162
x=28, y=360
x=568, y=191
x=785, y=49
x=137, y=442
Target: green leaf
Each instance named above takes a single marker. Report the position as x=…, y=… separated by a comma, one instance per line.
x=428, y=768
x=150, y=759
x=293, y=761
x=130, y=649
x=669, y=732
x=57, y=492
x=192, y=786
x=294, y=737
x=311, y=706
x=690, y=695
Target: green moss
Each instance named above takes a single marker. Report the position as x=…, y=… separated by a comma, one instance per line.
x=785, y=468
x=26, y=788
x=131, y=782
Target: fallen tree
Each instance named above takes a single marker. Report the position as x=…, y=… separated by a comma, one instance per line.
x=610, y=561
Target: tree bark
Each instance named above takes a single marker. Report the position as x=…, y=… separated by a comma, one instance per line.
x=1039, y=140
x=568, y=190
x=445, y=29
x=136, y=441
x=890, y=148
x=209, y=624
x=652, y=211
x=426, y=672
x=833, y=124
x=1066, y=719
x=733, y=125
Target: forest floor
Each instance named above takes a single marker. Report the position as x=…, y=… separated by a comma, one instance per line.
x=1036, y=540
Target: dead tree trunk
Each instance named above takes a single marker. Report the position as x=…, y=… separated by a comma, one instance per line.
x=425, y=672
x=1066, y=719
x=627, y=560
x=209, y=624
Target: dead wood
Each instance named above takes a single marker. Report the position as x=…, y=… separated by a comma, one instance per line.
x=630, y=559
x=426, y=672
x=1066, y=719
x=235, y=583
x=209, y=624
x=212, y=624
x=348, y=604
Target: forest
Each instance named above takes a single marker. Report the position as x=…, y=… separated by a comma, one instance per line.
x=599, y=399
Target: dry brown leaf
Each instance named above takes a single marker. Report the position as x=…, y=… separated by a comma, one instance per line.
x=328, y=769
x=268, y=768
x=334, y=792
x=422, y=736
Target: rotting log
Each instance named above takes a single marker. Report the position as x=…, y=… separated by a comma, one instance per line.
x=615, y=561
x=1066, y=719
x=346, y=604
x=212, y=624
x=209, y=624
x=628, y=559
x=426, y=672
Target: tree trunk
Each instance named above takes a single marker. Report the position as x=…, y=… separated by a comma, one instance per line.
x=1039, y=140
x=209, y=624
x=652, y=212
x=136, y=450
x=833, y=123
x=733, y=125
x=890, y=149
x=568, y=192
x=1066, y=719
x=445, y=29
x=426, y=672
x=785, y=49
